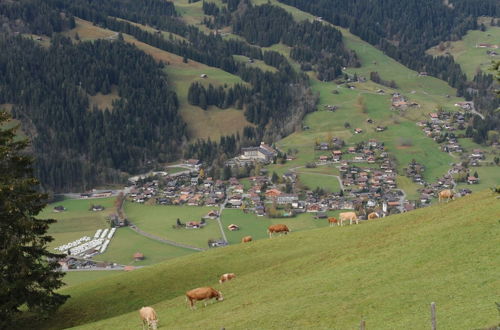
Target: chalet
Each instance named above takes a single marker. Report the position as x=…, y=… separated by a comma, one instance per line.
x=138, y=256
x=472, y=180
x=486, y=45
x=313, y=208
x=465, y=105
x=381, y=128
x=193, y=163
x=59, y=208
x=323, y=146
x=272, y=193
x=97, y=208
x=233, y=227
x=323, y=158
x=477, y=154
x=358, y=131
x=194, y=224
x=203, y=75
x=213, y=214
x=287, y=199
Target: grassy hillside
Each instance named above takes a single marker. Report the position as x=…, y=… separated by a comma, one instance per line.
x=201, y=124
x=386, y=271
x=465, y=52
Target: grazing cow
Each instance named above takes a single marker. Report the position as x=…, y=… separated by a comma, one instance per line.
x=226, y=277
x=246, y=239
x=332, y=221
x=277, y=229
x=373, y=215
x=348, y=216
x=204, y=293
x=148, y=317
x=447, y=193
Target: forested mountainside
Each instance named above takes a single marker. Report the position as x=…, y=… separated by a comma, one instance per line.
x=405, y=29
x=142, y=127
x=72, y=141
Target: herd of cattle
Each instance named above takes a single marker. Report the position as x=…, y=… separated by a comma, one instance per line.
x=150, y=318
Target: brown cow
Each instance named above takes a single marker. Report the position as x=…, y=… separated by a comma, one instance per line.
x=204, y=293
x=148, y=317
x=277, y=229
x=246, y=239
x=332, y=221
x=226, y=277
x=447, y=193
x=348, y=216
x=373, y=215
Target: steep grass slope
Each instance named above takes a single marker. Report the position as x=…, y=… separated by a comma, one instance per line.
x=386, y=271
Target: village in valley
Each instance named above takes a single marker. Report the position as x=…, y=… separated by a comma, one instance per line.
x=265, y=184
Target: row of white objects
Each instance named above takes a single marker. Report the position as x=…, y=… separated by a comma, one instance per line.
x=86, y=246
x=102, y=238
x=70, y=245
x=104, y=246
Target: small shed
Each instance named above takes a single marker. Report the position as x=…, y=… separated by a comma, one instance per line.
x=233, y=227
x=203, y=75
x=138, y=256
x=59, y=208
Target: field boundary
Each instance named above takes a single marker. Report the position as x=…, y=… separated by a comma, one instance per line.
x=163, y=240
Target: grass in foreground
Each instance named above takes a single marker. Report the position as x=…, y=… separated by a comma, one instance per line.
x=386, y=271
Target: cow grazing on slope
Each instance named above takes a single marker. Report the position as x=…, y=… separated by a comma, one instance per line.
x=204, y=293
x=277, y=229
x=246, y=239
x=226, y=277
x=333, y=221
x=351, y=216
x=446, y=194
x=148, y=317
x=373, y=215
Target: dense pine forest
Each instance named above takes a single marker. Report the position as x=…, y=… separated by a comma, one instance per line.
x=74, y=143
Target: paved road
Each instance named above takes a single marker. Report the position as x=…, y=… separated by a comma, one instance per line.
x=223, y=205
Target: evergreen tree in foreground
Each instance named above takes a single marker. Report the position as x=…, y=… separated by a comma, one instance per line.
x=27, y=269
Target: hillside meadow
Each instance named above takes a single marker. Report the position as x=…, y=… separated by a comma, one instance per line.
x=385, y=271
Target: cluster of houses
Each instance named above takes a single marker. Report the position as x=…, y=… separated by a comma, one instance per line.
x=441, y=126
x=414, y=171
x=183, y=189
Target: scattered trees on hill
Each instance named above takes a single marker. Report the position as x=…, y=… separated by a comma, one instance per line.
x=375, y=77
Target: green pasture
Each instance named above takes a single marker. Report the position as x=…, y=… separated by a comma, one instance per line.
x=489, y=177
x=318, y=180
x=77, y=221
x=386, y=272
x=159, y=219
x=126, y=242
x=73, y=278
x=252, y=225
x=466, y=53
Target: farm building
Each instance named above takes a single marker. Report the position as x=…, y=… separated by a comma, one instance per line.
x=138, y=256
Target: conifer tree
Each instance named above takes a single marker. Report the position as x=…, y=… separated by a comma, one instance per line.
x=28, y=269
